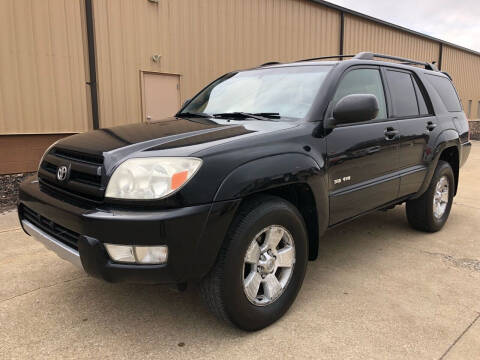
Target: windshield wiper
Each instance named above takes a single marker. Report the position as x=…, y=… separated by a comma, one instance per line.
x=193, y=114
x=270, y=115
x=246, y=115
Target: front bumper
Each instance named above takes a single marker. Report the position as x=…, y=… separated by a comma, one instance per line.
x=77, y=232
x=62, y=250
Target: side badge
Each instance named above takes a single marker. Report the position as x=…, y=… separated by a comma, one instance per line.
x=340, y=180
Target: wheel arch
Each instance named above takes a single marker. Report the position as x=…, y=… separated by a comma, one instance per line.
x=447, y=148
x=295, y=177
x=301, y=196
x=451, y=155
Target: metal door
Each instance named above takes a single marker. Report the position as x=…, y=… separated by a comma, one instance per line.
x=161, y=96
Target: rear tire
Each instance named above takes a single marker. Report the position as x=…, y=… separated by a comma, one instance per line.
x=244, y=256
x=430, y=211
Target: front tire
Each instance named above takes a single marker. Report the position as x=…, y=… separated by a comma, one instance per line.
x=261, y=265
x=430, y=211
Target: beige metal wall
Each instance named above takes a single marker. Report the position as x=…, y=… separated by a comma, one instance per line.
x=199, y=40
x=42, y=68
x=364, y=35
x=464, y=67
x=465, y=71
x=44, y=62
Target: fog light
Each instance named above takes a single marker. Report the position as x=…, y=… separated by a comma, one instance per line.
x=151, y=254
x=121, y=253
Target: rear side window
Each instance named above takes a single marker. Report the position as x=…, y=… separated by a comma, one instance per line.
x=446, y=91
x=422, y=105
x=404, y=98
x=363, y=81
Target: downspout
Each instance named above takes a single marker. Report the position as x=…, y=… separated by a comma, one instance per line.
x=342, y=32
x=440, y=56
x=92, y=62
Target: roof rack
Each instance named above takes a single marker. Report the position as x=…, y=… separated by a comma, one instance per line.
x=446, y=73
x=327, y=57
x=270, y=63
x=372, y=56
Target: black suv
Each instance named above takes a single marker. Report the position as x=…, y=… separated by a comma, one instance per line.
x=237, y=189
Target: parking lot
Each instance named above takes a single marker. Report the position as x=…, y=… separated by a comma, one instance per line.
x=379, y=290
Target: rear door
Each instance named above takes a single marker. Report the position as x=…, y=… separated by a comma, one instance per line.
x=452, y=112
x=362, y=157
x=411, y=107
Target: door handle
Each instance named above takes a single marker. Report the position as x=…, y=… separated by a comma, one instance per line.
x=391, y=133
x=431, y=126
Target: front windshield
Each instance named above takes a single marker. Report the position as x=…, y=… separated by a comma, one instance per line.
x=288, y=91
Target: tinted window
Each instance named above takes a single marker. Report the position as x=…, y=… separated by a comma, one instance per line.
x=403, y=94
x=447, y=92
x=422, y=105
x=363, y=81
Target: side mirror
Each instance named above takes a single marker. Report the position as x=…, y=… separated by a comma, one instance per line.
x=355, y=108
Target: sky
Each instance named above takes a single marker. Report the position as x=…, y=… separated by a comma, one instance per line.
x=455, y=21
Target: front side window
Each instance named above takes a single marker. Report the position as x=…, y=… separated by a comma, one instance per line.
x=403, y=94
x=288, y=91
x=363, y=81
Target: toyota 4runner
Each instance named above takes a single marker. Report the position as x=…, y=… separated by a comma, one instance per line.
x=236, y=190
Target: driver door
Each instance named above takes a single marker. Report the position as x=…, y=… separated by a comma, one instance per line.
x=362, y=157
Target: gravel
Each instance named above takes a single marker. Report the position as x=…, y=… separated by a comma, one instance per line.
x=474, y=129
x=9, y=190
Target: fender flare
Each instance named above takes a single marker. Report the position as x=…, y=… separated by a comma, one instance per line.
x=446, y=139
x=267, y=173
x=271, y=172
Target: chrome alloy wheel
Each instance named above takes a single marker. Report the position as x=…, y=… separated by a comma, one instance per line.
x=268, y=265
x=440, y=197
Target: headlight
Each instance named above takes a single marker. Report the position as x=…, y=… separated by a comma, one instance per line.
x=151, y=178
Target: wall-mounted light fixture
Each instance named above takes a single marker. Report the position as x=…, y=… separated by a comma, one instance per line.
x=156, y=58
x=154, y=1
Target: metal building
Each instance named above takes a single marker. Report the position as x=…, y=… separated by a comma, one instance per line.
x=67, y=66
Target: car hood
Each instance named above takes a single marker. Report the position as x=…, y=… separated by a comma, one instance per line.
x=176, y=136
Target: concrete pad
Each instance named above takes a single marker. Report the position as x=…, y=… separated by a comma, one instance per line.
x=9, y=221
x=468, y=345
x=26, y=265
x=379, y=290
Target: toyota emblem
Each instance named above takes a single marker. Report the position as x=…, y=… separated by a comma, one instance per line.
x=62, y=173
